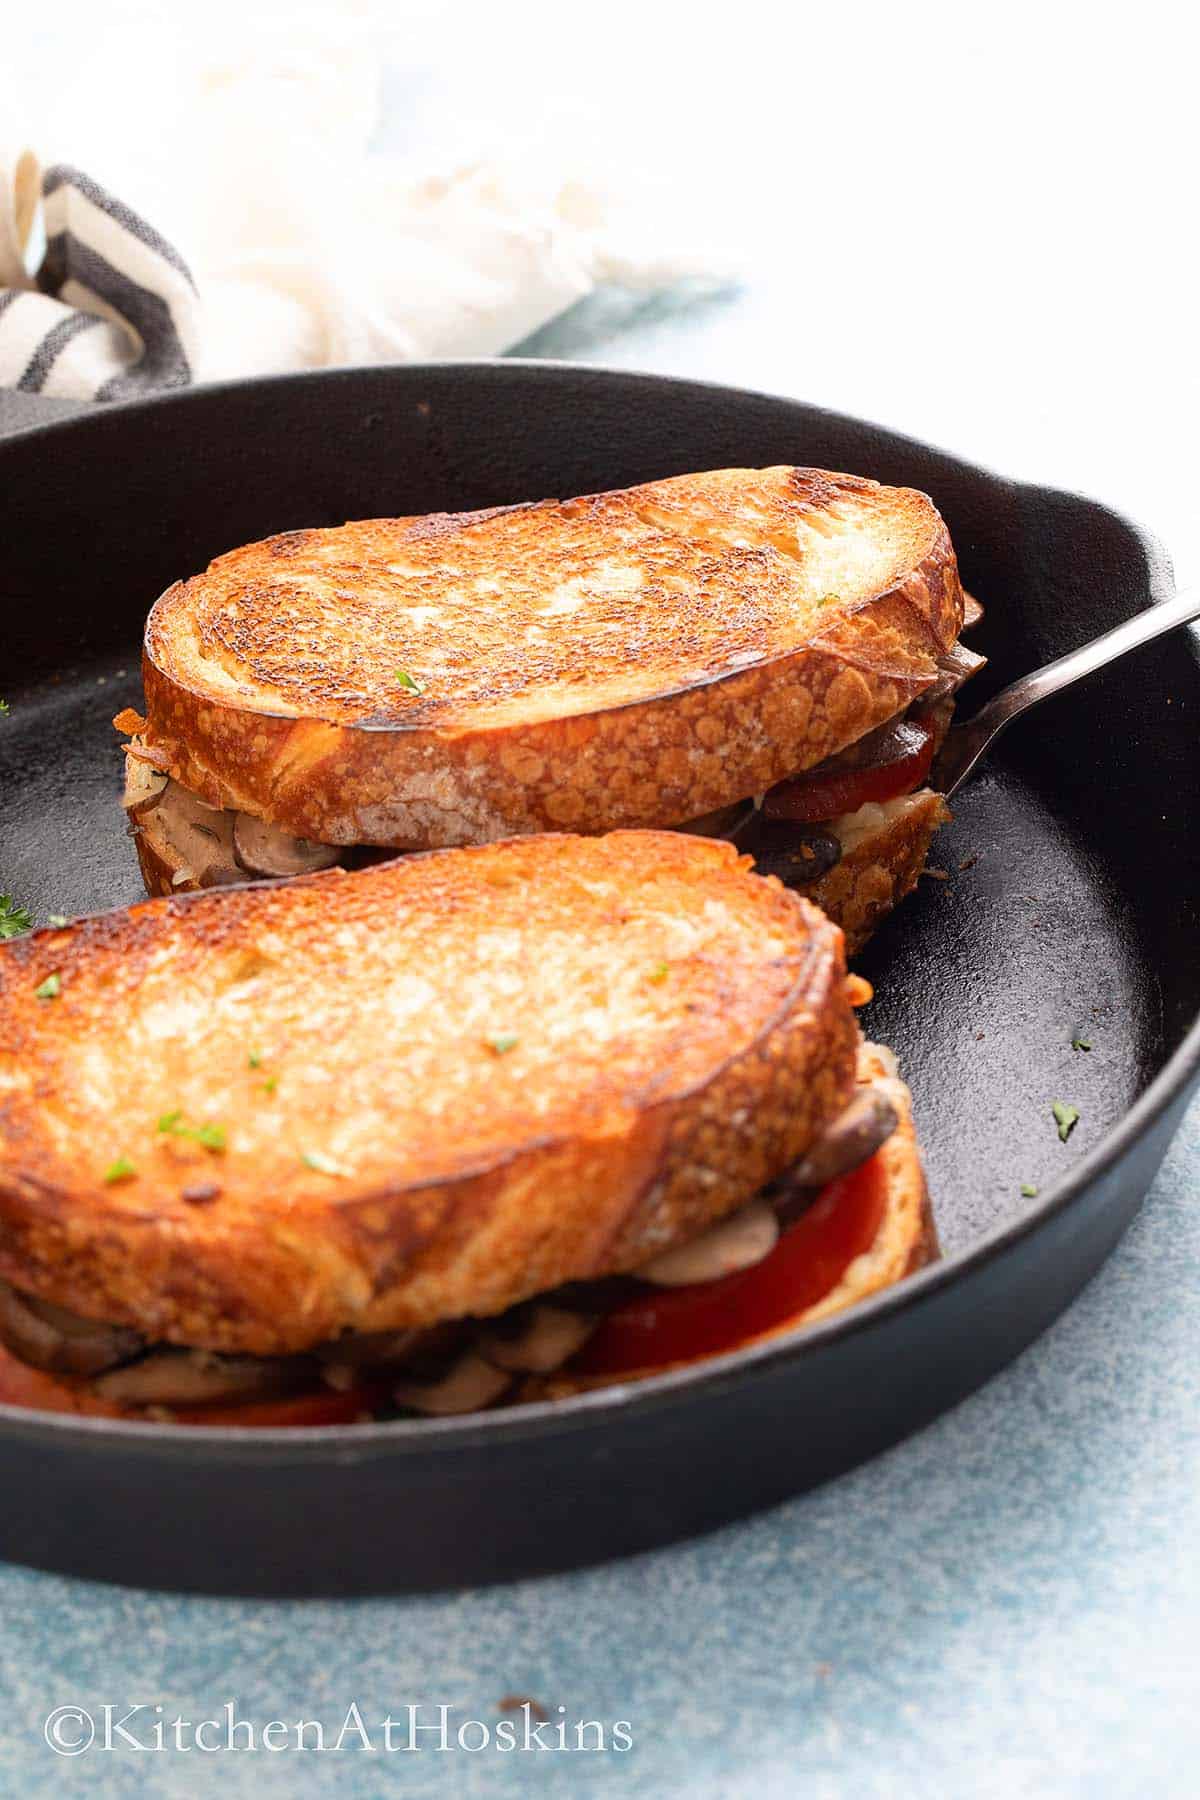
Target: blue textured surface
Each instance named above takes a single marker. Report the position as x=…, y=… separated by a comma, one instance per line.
x=1004, y=1605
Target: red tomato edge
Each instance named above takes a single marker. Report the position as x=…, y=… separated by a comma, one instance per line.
x=814, y=799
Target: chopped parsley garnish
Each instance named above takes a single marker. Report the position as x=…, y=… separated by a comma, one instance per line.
x=211, y=1136
x=270, y=1084
x=502, y=1044
x=3, y=707
x=659, y=972
x=121, y=1170
x=1029, y=1191
x=49, y=989
x=1065, y=1117
x=829, y=600
x=59, y=919
x=14, y=919
x=1078, y=1043
x=254, y=1059
x=324, y=1165
x=409, y=682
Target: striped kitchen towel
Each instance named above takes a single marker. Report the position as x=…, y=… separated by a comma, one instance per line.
x=113, y=310
x=221, y=206
x=393, y=268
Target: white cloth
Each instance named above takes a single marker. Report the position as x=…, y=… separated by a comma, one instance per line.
x=232, y=221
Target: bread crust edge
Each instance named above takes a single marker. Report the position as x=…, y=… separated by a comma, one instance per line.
x=268, y=1283
x=649, y=763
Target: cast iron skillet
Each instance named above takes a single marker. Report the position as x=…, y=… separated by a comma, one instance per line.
x=1070, y=910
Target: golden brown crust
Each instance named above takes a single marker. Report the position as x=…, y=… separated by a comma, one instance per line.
x=906, y=1240
x=725, y=631
x=357, y=1017
x=879, y=867
x=157, y=866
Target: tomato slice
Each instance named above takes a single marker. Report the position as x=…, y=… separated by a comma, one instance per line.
x=810, y=799
x=673, y=1325
x=318, y=1406
x=657, y=1328
x=21, y=1385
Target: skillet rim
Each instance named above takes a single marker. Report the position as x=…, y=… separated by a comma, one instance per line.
x=544, y=1419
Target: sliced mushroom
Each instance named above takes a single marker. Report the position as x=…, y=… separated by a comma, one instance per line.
x=48, y=1337
x=855, y=1134
x=795, y=854
x=955, y=668
x=468, y=1385
x=263, y=849
x=363, y=1349
x=736, y=1243
x=195, y=838
x=536, y=1340
x=169, y=1377
x=144, y=787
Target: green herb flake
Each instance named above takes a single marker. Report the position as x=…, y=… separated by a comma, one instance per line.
x=830, y=600
x=3, y=707
x=58, y=919
x=270, y=1084
x=14, y=919
x=324, y=1165
x=254, y=1060
x=121, y=1170
x=49, y=989
x=1029, y=1191
x=1078, y=1043
x=659, y=972
x=1065, y=1117
x=212, y=1137
x=409, y=683
x=502, y=1044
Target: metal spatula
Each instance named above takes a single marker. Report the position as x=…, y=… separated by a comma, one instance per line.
x=966, y=743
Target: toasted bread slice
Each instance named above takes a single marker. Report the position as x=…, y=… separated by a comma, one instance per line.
x=905, y=1241
x=251, y=1120
x=884, y=847
x=458, y=1367
x=625, y=659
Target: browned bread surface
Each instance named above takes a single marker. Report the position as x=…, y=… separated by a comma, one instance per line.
x=624, y=659
x=881, y=863
x=905, y=1242
x=440, y=1085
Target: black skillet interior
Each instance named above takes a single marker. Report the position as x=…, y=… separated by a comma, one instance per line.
x=1073, y=864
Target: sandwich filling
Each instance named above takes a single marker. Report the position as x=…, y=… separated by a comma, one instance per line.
x=752, y=1274
x=828, y=810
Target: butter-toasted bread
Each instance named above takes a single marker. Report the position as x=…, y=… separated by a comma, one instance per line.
x=905, y=1241
x=884, y=848
x=625, y=659
x=248, y=1121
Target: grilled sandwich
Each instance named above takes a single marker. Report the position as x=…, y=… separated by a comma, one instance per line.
x=660, y=656
x=466, y=1128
